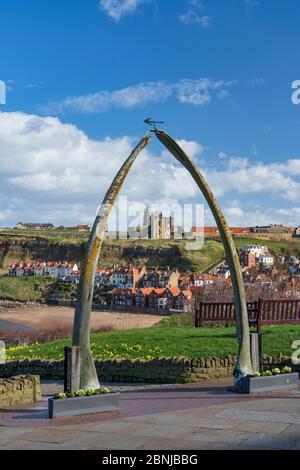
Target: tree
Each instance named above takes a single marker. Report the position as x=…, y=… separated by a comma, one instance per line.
x=81, y=329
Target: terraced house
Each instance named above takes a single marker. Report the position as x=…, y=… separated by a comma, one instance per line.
x=201, y=280
x=127, y=277
x=159, y=299
x=158, y=278
x=141, y=297
x=41, y=268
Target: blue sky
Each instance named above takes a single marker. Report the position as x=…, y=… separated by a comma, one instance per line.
x=219, y=73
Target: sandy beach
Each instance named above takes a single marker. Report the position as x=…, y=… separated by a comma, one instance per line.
x=44, y=317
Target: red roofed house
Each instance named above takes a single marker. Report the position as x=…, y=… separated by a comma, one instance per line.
x=65, y=269
x=200, y=280
x=199, y=232
x=247, y=259
x=126, y=277
x=123, y=296
x=158, y=278
x=133, y=276
x=184, y=282
x=183, y=301
x=170, y=294
x=39, y=268
x=74, y=277
x=141, y=297
x=51, y=269
x=153, y=298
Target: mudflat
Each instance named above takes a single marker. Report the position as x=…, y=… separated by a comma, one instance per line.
x=42, y=317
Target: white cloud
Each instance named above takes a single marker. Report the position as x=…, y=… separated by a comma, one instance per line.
x=196, y=14
x=264, y=216
x=48, y=169
x=252, y=4
x=291, y=167
x=192, y=16
x=191, y=147
x=51, y=171
x=116, y=9
x=242, y=177
x=130, y=97
x=196, y=92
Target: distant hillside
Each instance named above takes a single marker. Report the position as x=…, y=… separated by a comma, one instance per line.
x=54, y=246
x=23, y=246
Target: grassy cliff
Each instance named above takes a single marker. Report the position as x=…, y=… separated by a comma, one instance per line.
x=55, y=245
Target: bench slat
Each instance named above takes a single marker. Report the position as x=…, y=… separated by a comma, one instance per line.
x=265, y=311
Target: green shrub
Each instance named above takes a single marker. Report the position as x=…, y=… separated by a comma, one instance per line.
x=178, y=319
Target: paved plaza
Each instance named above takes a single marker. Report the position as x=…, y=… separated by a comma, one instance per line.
x=166, y=417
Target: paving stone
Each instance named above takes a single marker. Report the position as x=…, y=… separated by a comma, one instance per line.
x=106, y=441
x=180, y=444
x=7, y=432
x=266, y=404
x=275, y=441
x=216, y=436
x=261, y=427
x=287, y=408
x=188, y=421
x=24, y=445
x=4, y=443
x=155, y=430
x=49, y=435
x=293, y=430
x=118, y=426
x=296, y=446
x=243, y=446
x=250, y=415
x=182, y=417
x=295, y=393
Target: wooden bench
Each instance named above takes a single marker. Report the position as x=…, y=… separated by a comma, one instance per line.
x=261, y=312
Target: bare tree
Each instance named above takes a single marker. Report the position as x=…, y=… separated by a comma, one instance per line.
x=81, y=329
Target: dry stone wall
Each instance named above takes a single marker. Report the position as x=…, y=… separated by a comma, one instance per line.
x=160, y=370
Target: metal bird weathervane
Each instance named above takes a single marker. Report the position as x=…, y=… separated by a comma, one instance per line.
x=149, y=121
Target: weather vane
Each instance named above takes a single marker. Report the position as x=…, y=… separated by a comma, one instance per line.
x=150, y=122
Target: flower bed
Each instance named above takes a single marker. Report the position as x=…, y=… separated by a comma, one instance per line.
x=275, y=371
x=83, y=393
x=83, y=402
x=269, y=380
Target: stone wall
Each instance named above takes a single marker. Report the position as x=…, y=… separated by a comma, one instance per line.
x=161, y=370
x=19, y=390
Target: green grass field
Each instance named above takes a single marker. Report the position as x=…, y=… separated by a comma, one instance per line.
x=276, y=247
x=167, y=341
x=54, y=236
x=24, y=289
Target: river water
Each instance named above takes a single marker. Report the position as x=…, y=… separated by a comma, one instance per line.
x=6, y=325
